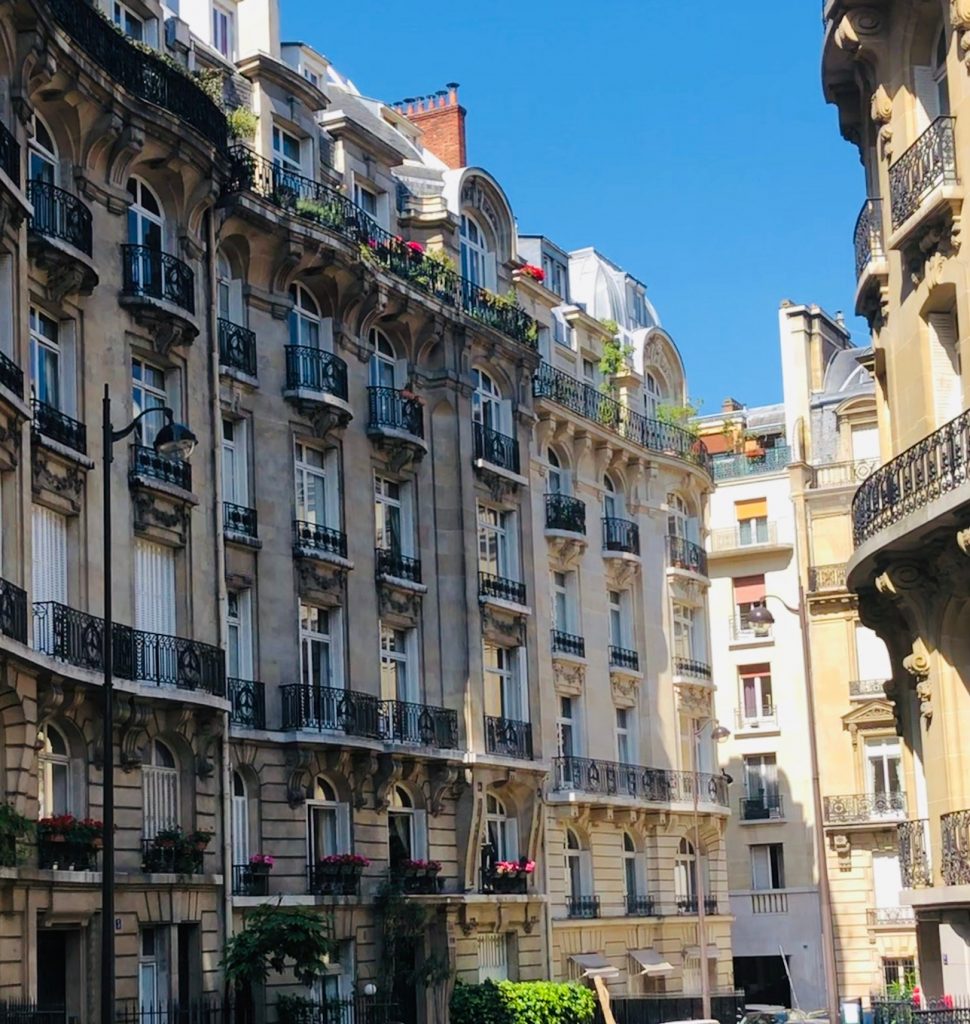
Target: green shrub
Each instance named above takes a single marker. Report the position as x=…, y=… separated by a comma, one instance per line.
x=522, y=1002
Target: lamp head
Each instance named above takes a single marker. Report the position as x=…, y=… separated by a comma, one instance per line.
x=760, y=620
x=370, y=989
x=720, y=732
x=175, y=441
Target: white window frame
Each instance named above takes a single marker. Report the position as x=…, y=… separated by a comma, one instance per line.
x=154, y=973
x=625, y=735
x=685, y=871
x=141, y=217
x=146, y=394
x=477, y=260
x=558, y=476
x=652, y=395
x=331, y=642
x=761, y=777
x=124, y=17
x=385, y=507
x=562, y=586
x=501, y=829
x=879, y=752
x=505, y=682
x=399, y=665
x=325, y=802
x=489, y=408
x=235, y=462
x=760, y=689
x=46, y=343
x=161, y=798
x=618, y=603
x=568, y=733
x=306, y=474
x=41, y=154
x=497, y=531
x=634, y=881
x=224, y=30
x=241, y=842
x=308, y=328
x=767, y=866
x=281, y=158
x=50, y=765
x=684, y=620
x=239, y=634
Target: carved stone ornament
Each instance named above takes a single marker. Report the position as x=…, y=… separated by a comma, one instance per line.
x=565, y=552
x=60, y=479
x=398, y=606
x=963, y=541
x=924, y=693
x=320, y=582
x=926, y=257
x=155, y=514
x=569, y=677
x=11, y=432
x=881, y=112
x=695, y=700
x=298, y=775
x=960, y=20
x=843, y=850
x=445, y=782
x=363, y=768
x=503, y=627
x=132, y=716
x=624, y=690
x=918, y=663
x=858, y=26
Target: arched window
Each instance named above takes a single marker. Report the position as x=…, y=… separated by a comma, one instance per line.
x=240, y=821
x=678, y=517
x=574, y=865
x=939, y=74
x=160, y=790
x=383, y=364
x=406, y=831
x=488, y=408
x=612, y=500
x=43, y=154
x=685, y=877
x=328, y=822
x=558, y=480
x=477, y=263
x=144, y=216
x=304, y=318
x=652, y=395
x=501, y=830
x=229, y=292
x=54, y=765
x=631, y=873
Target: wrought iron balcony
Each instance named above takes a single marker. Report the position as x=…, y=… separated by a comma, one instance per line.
x=168, y=660
x=639, y=906
x=170, y=860
x=60, y=427
x=867, y=689
x=689, y=905
x=685, y=554
x=141, y=73
x=239, y=520
x=11, y=376
x=621, y=535
x=500, y=313
x=146, y=462
x=66, y=856
x=763, y=807
x=500, y=588
x=868, y=235
x=863, y=808
x=333, y=880
x=750, y=720
x=58, y=214
x=822, y=578
x=330, y=709
x=565, y=513
x=69, y=635
x=150, y=273
x=421, y=724
x=393, y=563
x=312, y=369
x=237, y=347
x=590, y=403
x=248, y=880
x=13, y=611
x=938, y=464
x=842, y=474
x=913, y=844
x=583, y=906
x=652, y=785
x=508, y=737
x=496, y=448
x=890, y=917
x=733, y=466
x=391, y=409
x=566, y=643
x=752, y=534
x=693, y=669
x=621, y=657
x=928, y=164
x=248, y=699
x=9, y=155
x=312, y=539
x=955, y=842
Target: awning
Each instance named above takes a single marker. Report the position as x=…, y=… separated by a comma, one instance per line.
x=594, y=965
x=694, y=952
x=651, y=962
x=751, y=508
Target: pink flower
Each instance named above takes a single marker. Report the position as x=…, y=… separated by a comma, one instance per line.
x=261, y=858
x=415, y=246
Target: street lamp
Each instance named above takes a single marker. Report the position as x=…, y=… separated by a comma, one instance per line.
x=761, y=620
x=173, y=441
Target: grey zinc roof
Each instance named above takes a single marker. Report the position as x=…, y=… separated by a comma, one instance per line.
x=362, y=112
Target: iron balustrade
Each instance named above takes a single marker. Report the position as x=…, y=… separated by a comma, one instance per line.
x=928, y=164
x=13, y=611
x=860, y=808
x=566, y=513
x=508, y=737
x=9, y=155
x=929, y=469
x=168, y=660
x=826, y=577
x=842, y=474
x=621, y=657
x=393, y=563
x=408, y=722
x=763, y=807
x=249, y=880
x=69, y=635
x=867, y=236
x=151, y=273
x=590, y=403
x=499, y=312
x=689, y=905
x=27, y=1012
x=333, y=880
x=639, y=906
x=583, y=906
x=652, y=785
x=312, y=369
x=913, y=846
x=60, y=427
x=146, y=462
x=330, y=709
x=685, y=554
x=567, y=643
x=170, y=860
x=497, y=448
x=733, y=466
x=891, y=917
x=237, y=347
x=140, y=72
x=248, y=700
x=955, y=843
x=11, y=376
x=391, y=409
x=621, y=535
x=501, y=588
x=66, y=856
x=691, y=667
x=239, y=520
x=867, y=687
x=58, y=214
x=314, y=539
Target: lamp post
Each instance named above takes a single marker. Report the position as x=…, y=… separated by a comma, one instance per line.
x=761, y=621
x=173, y=441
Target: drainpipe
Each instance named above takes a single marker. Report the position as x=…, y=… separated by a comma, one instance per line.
x=545, y=883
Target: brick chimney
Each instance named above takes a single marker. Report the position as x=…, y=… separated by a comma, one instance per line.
x=731, y=405
x=441, y=119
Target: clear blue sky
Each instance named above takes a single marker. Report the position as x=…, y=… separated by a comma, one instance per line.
x=688, y=142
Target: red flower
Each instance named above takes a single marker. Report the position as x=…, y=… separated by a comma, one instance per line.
x=536, y=273
x=415, y=247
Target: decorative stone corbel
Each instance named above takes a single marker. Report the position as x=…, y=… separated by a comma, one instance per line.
x=843, y=850
x=918, y=666
x=390, y=771
x=881, y=112
x=857, y=29
x=363, y=767
x=963, y=541
x=446, y=781
x=132, y=718
x=298, y=775
x=960, y=20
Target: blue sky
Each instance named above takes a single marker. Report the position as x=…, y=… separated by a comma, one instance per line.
x=688, y=142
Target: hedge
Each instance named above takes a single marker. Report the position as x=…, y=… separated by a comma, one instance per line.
x=522, y=1002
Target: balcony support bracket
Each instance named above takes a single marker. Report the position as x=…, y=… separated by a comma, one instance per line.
x=447, y=782
x=169, y=326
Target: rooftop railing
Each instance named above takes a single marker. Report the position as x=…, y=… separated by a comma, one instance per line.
x=732, y=466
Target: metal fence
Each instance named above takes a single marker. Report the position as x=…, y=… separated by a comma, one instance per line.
x=727, y=1008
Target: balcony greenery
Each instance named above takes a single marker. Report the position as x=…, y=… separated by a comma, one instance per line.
x=14, y=828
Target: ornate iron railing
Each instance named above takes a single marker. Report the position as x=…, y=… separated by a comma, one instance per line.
x=11, y=376
x=393, y=563
x=826, y=577
x=762, y=807
x=689, y=905
x=312, y=539
x=498, y=312
x=313, y=369
x=621, y=535
x=13, y=611
x=60, y=427
x=566, y=513
x=843, y=474
x=239, y=520
x=931, y=468
x=868, y=235
x=333, y=880
x=141, y=73
x=929, y=163
x=9, y=155
x=771, y=460
x=248, y=880
x=497, y=448
x=567, y=643
x=168, y=660
x=913, y=844
x=859, y=808
x=508, y=737
x=248, y=699
x=66, y=856
x=955, y=844
x=151, y=273
x=390, y=409
x=330, y=709
x=69, y=635
x=170, y=860
x=237, y=347
x=692, y=668
x=403, y=721
x=867, y=687
x=58, y=214
x=639, y=906
x=877, y=917
x=685, y=554
x=501, y=588
x=586, y=401
x=586, y=907
x=146, y=462
x=622, y=657
x=653, y=785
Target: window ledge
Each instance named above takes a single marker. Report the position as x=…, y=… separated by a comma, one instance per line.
x=743, y=822
x=505, y=474
x=65, y=452
x=316, y=555
x=152, y=483
x=401, y=583
x=238, y=375
x=242, y=539
x=507, y=606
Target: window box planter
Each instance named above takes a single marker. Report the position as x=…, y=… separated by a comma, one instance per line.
x=66, y=843
x=417, y=878
x=337, y=875
x=173, y=851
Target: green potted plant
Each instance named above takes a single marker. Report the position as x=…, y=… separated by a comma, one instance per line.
x=14, y=827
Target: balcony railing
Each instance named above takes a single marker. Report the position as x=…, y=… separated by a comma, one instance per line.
x=146, y=462
x=955, y=843
x=247, y=880
x=739, y=538
x=11, y=376
x=567, y=643
x=822, y=578
x=66, y=856
x=639, y=906
x=497, y=448
x=333, y=880
x=890, y=917
x=764, y=717
x=590, y=403
x=312, y=369
x=248, y=699
x=69, y=635
x=769, y=902
x=170, y=860
x=393, y=563
x=583, y=906
x=622, y=657
x=501, y=588
x=763, y=807
x=168, y=660
x=499, y=313
x=239, y=520
x=9, y=155
x=868, y=235
x=913, y=844
x=693, y=669
x=685, y=554
x=843, y=474
x=931, y=468
x=150, y=273
x=330, y=709
x=689, y=904
x=421, y=724
x=13, y=611
x=771, y=460
x=860, y=808
x=313, y=539
x=566, y=513
x=621, y=535
x=508, y=737
x=741, y=629
x=391, y=409
x=60, y=427
x=928, y=164
x=58, y=214
x=653, y=785
x=866, y=689
x=237, y=347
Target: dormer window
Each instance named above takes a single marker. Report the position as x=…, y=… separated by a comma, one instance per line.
x=477, y=262
x=130, y=23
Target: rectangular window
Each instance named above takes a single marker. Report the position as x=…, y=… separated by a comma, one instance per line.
x=366, y=199
x=945, y=366
x=752, y=519
x=147, y=392
x=45, y=359
x=154, y=588
x=311, y=76
x=899, y=971
x=505, y=695
x=320, y=647
x=493, y=958
x=49, y=561
x=496, y=542
x=239, y=635
x=683, y=617
x=589, y=371
x=761, y=778
x=223, y=31
x=756, y=698
x=767, y=866
x=619, y=631
x=328, y=826
x=399, y=670
x=566, y=728
x=748, y=592
x=884, y=774
x=286, y=151
x=562, y=603
x=235, y=464
x=317, y=486
x=392, y=515
x=129, y=22
x=624, y=741
x=154, y=989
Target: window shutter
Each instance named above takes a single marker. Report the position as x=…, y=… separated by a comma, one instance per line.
x=154, y=588
x=409, y=545
x=945, y=367
x=237, y=311
x=326, y=334
x=400, y=373
x=928, y=99
x=240, y=830
x=344, y=839
x=49, y=571
x=490, y=272
x=752, y=508
x=419, y=819
x=504, y=425
x=336, y=627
